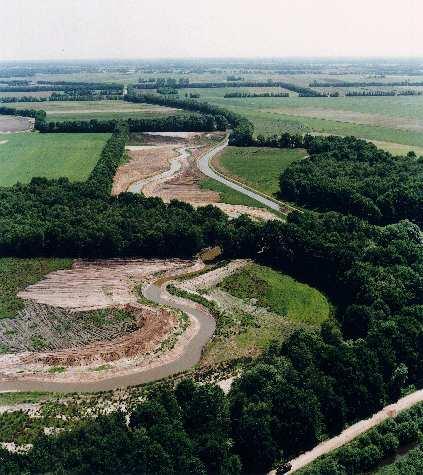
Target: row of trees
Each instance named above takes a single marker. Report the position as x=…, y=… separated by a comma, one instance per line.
x=303, y=91
x=365, y=83
x=355, y=177
x=233, y=95
x=242, y=128
x=38, y=115
x=408, y=92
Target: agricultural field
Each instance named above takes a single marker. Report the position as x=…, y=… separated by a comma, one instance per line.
x=100, y=110
x=397, y=120
x=257, y=167
x=24, y=156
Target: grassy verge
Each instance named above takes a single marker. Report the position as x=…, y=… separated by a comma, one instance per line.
x=228, y=195
x=257, y=167
x=24, y=156
x=16, y=274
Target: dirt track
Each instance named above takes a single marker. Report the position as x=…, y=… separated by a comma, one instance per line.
x=354, y=431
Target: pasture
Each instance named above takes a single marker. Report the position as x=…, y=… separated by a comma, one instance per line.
x=24, y=156
x=257, y=167
x=100, y=110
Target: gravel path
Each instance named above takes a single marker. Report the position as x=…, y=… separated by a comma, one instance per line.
x=354, y=431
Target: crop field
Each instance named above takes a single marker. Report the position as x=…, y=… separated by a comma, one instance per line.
x=257, y=167
x=397, y=120
x=24, y=156
x=16, y=274
x=101, y=110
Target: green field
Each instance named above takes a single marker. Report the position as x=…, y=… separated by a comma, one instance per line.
x=228, y=195
x=16, y=274
x=100, y=110
x=279, y=293
x=243, y=333
x=384, y=119
x=258, y=167
x=24, y=156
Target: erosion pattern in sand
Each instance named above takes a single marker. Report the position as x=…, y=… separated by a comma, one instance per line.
x=170, y=171
x=156, y=333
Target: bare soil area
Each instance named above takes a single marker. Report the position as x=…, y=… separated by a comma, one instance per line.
x=167, y=168
x=12, y=124
x=92, y=285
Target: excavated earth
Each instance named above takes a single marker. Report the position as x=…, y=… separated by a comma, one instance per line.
x=87, y=323
x=165, y=166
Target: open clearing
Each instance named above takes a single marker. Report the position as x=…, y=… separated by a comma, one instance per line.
x=11, y=124
x=85, y=110
x=246, y=324
x=257, y=167
x=25, y=156
x=169, y=170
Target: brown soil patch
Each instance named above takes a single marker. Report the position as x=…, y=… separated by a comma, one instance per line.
x=153, y=327
x=145, y=161
x=91, y=285
x=9, y=124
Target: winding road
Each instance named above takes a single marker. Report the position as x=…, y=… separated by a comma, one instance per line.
x=202, y=321
x=204, y=166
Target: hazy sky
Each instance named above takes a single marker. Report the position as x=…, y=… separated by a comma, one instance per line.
x=80, y=29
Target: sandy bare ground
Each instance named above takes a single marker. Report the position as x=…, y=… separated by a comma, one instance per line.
x=145, y=161
x=355, y=430
x=92, y=285
x=212, y=278
x=161, y=337
x=13, y=124
x=170, y=171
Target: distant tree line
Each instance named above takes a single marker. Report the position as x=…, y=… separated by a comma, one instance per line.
x=65, y=86
x=55, y=97
x=302, y=91
x=173, y=123
x=408, y=92
x=365, y=83
x=233, y=95
x=39, y=115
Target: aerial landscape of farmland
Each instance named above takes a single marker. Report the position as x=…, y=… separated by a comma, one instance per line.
x=210, y=263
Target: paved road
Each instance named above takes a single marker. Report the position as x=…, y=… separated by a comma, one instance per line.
x=204, y=166
x=189, y=358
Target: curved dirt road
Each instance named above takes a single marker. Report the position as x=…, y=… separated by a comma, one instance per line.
x=203, y=323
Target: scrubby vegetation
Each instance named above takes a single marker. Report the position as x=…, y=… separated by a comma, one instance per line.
x=16, y=274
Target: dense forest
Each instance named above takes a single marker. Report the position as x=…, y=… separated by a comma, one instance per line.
x=355, y=177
